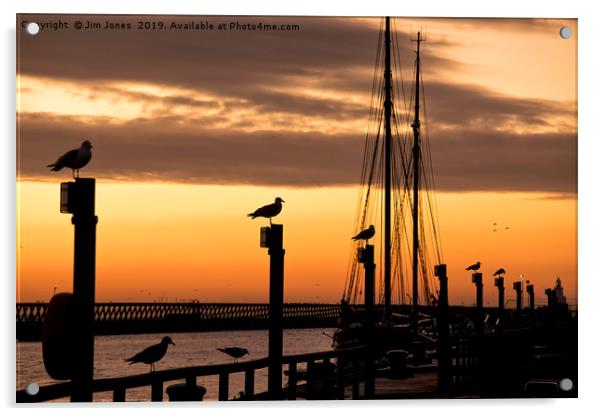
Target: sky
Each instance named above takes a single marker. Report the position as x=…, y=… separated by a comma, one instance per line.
x=193, y=129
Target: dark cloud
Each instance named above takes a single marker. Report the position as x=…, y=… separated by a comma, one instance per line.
x=158, y=149
x=229, y=63
x=473, y=148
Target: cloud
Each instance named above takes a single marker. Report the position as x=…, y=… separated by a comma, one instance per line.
x=277, y=108
x=165, y=150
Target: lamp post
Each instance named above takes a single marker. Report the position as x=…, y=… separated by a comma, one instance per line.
x=272, y=239
x=77, y=198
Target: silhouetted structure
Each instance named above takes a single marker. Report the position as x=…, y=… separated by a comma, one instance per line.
x=77, y=198
x=272, y=238
x=443, y=340
x=477, y=279
x=366, y=257
x=152, y=354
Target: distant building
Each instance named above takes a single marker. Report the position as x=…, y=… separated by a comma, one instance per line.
x=560, y=298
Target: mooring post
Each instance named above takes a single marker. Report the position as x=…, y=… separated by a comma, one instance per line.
x=77, y=198
x=272, y=237
x=366, y=257
x=518, y=287
x=531, y=293
x=477, y=279
x=499, y=284
x=551, y=294
x=443, y=361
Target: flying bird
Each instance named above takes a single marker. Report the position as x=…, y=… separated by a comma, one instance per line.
x=234, y=352
x=74, y=159
x=366, y=234
x=268, y=211
x=475, y=266
x=152, y=354
x=500, y=272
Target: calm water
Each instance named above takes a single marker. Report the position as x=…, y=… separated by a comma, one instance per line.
x=191, y=349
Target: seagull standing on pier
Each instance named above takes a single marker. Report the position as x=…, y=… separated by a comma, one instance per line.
x=268, y=211
x=475, y=266
x=366, y=234
x=74, y=159
x=152, y=354
x=500, y=272
x=234, y=352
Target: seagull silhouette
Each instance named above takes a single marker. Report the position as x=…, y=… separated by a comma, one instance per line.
x=475, y=266
x=74, y=159
x=234, y=352
x=366, y=234
x=268, y=211
x=500, y=272
x=152, y=354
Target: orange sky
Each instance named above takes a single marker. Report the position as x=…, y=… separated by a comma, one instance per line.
x=175, y=240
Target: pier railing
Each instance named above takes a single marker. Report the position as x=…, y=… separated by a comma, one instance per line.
x=129, y=318
x=349, y=370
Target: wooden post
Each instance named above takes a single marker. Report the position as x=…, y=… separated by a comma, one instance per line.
x=531, y=293
x=367, y=258
x=80, y=202
x=119, y=394
x=340, y=378
x=250, y=384
x=224, y=380
x=551, y=294
x=443, y=348
x=499, y=283
x=292, y=381
x=518, y=288
x=477, y=279
x=157, y=390
x=276, y=253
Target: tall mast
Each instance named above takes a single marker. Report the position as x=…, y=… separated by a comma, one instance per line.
x=416, y=165
x=387, y=230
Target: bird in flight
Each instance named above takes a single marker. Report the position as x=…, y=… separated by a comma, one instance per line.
x=268, y=211
x=366, y=234
x=74, y=159
x=152, y=354
x=234, y=352
x=500, y=272
x=475, y=266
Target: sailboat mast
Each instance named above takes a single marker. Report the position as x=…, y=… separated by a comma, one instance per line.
x=416, y=173
x=387, y=230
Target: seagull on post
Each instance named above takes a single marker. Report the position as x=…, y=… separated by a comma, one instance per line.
x=500, y=272
x=152, y=354
x=234, y=352
x=268, y=211
x=475, y=266
x=366, y=234
x=74, y=159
